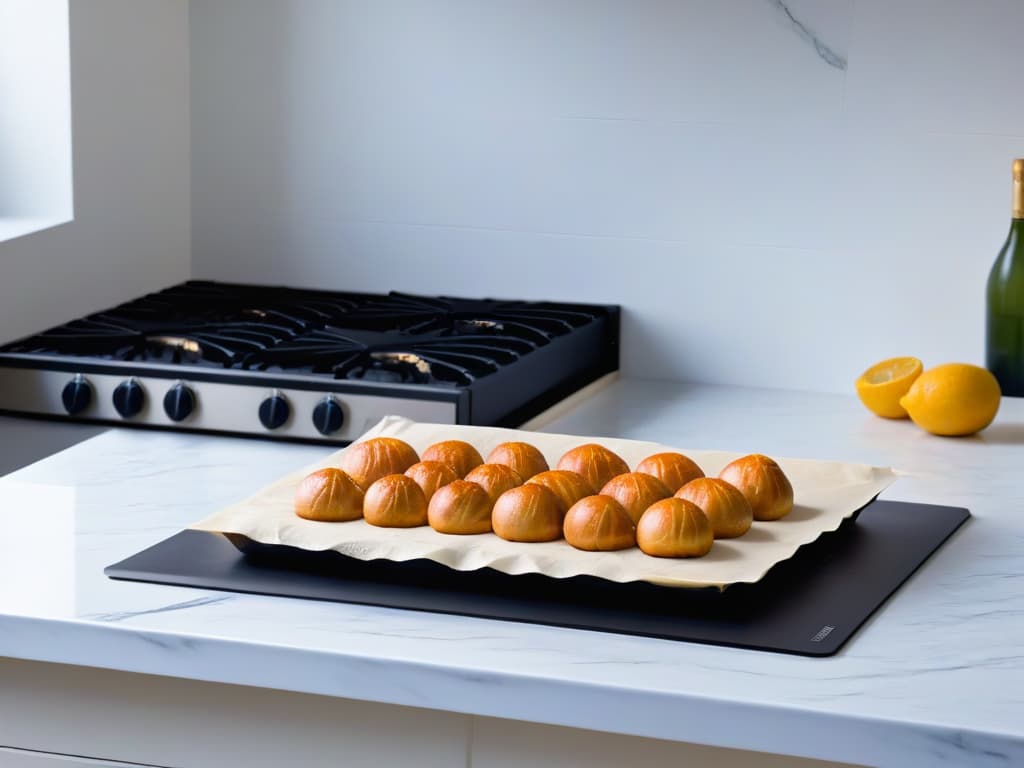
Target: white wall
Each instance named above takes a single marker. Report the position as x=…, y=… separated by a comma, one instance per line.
x=130, y=120
x=765, y=216
x=35, y=110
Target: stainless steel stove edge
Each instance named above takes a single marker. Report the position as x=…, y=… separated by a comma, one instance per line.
x=224, y=402
x=76, y=364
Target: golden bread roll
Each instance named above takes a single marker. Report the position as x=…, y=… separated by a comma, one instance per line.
x=674, y=528
x=673, y=469
x=524, y=458
x=726, y=508
x=568, y=486
x=329, y=495
x=599, y=524
x=495, y=479
x=528, y=513
x=636, y=491
x=395, y=501
x=371, y=459
x=594, y=462
x=763, y=483
x=430, y=475
x=457, y=454
x=461, y=507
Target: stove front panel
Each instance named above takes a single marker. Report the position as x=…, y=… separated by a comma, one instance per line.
x=216, y=406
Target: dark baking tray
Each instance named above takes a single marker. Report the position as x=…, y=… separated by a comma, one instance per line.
x=810, y=604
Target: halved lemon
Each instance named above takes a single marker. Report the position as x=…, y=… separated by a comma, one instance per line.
x=882, y=385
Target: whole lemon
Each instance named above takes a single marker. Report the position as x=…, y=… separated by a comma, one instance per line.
x=953, y=399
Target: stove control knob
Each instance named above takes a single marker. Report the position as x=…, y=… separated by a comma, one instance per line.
x=179, y=402
x=274, y=411
x=77, y=395
x=328, y=416
x=129, y=397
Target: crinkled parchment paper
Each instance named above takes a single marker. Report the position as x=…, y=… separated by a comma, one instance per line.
x=826, y=493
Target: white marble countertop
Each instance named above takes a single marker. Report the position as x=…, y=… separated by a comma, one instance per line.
x=935, y=678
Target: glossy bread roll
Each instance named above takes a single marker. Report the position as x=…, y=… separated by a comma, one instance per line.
x=395, y=501
x=430, y=475
x=764, y=485
x=460, y=507
x=495, y=479
x=524, y=458
x=726, y=508
x=599, y=524
x=329, y=495
x=673, y=469
x=528, y=513
x=636, y=491
x=371, y=459
x=674, y=528
x=457, y=454
x=596, y=463
x=568, y=486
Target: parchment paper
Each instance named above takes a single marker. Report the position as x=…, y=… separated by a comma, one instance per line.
x=825, y=493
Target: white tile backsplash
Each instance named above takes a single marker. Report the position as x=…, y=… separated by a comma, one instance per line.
x=940, y=65
x=773, y=202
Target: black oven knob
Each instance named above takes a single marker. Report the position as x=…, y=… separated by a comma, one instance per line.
x=274, y=411
x=77, y=395
x=328, y=416
x=179, y=402
x=129, y=397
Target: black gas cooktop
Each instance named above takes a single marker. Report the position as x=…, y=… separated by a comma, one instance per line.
x=308, y=364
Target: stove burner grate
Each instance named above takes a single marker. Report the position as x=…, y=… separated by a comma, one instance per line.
x=400, y=358
x=535, y=322
x=397, y=337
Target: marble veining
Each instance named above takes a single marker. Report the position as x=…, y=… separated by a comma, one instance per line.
x=935, y=678
x=825, y=53
x=184, y=605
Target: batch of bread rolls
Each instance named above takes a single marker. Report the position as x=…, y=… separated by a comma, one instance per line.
x=665, y=505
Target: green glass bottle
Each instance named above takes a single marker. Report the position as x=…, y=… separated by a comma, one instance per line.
x=1004, y=338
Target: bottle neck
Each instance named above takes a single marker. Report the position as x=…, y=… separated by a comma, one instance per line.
x=1018, y=190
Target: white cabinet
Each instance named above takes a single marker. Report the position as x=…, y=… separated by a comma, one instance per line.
x=508, y=744
x=167, y=721
x=164, y=721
